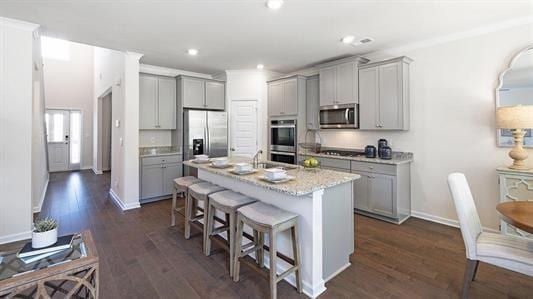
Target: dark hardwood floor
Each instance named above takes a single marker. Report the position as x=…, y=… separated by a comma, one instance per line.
x=141, y=256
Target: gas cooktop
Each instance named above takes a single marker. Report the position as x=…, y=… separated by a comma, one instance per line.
x=343, y=153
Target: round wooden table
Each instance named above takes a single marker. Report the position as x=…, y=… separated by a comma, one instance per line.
x=518, y=213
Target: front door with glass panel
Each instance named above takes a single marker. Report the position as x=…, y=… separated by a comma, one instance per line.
x=63, y=135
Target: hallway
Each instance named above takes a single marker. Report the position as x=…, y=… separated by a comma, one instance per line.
x=142, y=257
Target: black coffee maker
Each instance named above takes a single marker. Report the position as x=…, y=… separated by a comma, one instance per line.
x=384, y=150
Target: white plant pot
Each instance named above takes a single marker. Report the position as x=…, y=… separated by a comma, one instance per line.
x=40, y=240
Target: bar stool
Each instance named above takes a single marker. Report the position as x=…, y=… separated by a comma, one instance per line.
x=198, y=192
x=181, y=185
x=264, y=218
x=227, y=202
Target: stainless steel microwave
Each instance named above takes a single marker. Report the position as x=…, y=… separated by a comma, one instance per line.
x=339, y=116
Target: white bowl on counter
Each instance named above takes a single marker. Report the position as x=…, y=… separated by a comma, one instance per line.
x=275, y=174
x=220, y=161
x=201, y=157
x=243, y=167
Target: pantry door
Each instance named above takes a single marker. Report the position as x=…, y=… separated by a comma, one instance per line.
x=243, y=128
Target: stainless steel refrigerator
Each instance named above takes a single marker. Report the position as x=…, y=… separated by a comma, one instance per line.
x=204, y=132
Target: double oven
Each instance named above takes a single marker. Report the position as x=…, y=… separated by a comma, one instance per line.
x=283, y=144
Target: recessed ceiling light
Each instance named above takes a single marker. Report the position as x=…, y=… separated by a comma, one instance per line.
x=348, y=39
x=260, y=66
x=274, y=4
x=192, y=52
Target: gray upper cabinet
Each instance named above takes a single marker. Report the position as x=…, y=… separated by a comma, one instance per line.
x=312, y=103
x=284, y=96
x=167, y=103
x=384, y=95
x=275, y=98
x=199, y=93
x=214, y=95
x=338, y=81
x=157, y=102
x=147, y=102
x=193, y=91
x=327, y=86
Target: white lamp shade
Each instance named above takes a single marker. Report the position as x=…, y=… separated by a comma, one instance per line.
x=514, y=117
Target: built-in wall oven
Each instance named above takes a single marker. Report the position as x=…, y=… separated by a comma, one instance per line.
x=283, y=141
x=344, y=116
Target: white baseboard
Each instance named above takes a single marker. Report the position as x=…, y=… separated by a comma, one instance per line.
x=96, y=171
x=121, y=205
x=445, y=221
x=37, y=209
x=15, y=237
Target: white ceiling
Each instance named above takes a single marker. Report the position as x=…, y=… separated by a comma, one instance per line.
x=238, y=34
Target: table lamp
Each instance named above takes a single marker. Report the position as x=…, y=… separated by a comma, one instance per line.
x=516, y=118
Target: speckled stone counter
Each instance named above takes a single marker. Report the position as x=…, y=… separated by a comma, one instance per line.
x=397, y=157
x=305, y=182
x=158, y=151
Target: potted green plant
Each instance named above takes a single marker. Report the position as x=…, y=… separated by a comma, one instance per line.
x=44, y=233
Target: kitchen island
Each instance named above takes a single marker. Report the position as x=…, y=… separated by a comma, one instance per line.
x=322, y=199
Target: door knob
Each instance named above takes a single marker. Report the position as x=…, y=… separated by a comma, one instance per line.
x=232, y=149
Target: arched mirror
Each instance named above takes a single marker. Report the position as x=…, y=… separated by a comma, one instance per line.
x=516, y=88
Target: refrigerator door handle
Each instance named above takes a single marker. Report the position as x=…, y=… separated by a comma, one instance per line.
x=206, y=140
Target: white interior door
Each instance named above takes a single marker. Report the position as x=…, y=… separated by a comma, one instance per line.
x=243, y=127
x=63, y=135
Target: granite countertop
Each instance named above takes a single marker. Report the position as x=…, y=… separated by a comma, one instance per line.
x=305, y=182
x=159, y=151
x=397, y=157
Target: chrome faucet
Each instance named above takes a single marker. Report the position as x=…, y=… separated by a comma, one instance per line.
x=255, y=159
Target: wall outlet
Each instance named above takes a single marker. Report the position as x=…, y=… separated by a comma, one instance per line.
x=121, y=141
x=117, y=123
x=116, y=183
x=152, y=140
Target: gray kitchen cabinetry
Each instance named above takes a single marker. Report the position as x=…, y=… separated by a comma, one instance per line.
x=312, y=103
x=338, y=81
x=157, y=176
x=384, y=95
x=284, y=96
x=157, y=102
x=383, y=191
x=199, y=93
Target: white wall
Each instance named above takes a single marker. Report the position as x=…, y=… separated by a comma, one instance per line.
x=69, y=85
x=16, y=101
x=39, y=153
x=452, y=120
x=118, y=72
x=250, y=84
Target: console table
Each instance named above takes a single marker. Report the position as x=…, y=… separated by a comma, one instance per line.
x=515, y=185
x=73, y=273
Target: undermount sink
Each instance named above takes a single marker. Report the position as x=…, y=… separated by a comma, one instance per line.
x=265, y=165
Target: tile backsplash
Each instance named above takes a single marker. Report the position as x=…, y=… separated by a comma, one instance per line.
x=148, y=138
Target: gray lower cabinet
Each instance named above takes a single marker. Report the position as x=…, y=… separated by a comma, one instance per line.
x=158, y=174
x=383, y=191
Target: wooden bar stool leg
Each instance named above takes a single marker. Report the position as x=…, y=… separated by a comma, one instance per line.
x=238, y=244
x=256, y=242
x=296, y=255
x=188, y=216
x=209, y=215
x=204, y=231
x=261, y=250
x=231, y=239
x=273, y=274
x=174, y=199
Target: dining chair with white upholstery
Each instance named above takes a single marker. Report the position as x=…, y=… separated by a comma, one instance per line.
x=505, y=251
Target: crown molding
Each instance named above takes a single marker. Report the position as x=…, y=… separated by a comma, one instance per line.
x=18, y=24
